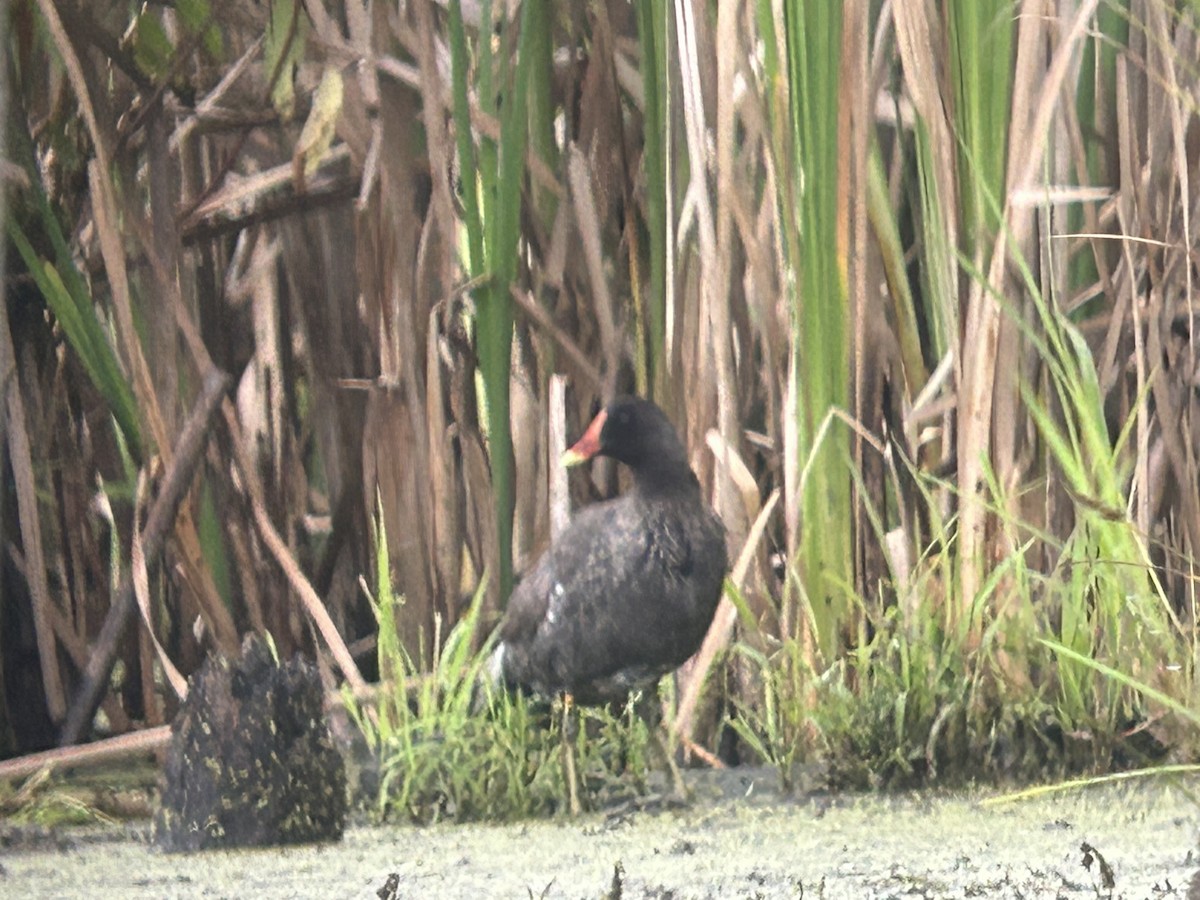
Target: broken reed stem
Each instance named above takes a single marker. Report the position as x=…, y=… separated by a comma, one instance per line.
x=543, y=320
x=722, y=627
x=158, y=524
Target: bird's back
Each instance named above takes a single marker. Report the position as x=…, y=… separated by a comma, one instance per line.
x=624, y=595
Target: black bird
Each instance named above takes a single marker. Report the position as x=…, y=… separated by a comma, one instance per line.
x=628, y=591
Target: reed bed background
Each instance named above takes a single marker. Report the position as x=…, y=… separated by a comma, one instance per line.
x=914, y=279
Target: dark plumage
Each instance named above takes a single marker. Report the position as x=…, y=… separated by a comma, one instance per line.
x=629, y=589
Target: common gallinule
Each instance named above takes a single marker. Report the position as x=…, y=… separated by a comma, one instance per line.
x=627, y=592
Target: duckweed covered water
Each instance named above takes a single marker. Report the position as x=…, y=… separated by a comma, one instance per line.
x=738, y=838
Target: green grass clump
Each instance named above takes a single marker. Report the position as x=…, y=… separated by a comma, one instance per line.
x=452, y=746
x=912, y=707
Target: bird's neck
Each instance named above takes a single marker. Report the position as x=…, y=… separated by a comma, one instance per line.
x=665, y=478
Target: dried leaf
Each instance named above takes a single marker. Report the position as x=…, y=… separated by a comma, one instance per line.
x=319, y=129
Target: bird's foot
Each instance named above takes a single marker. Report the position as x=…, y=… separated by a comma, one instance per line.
x=570, y=731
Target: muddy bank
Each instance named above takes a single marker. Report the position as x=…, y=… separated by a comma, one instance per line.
x=738, y=838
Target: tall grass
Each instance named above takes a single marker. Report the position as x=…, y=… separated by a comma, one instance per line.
x=653, y=36
x=819, y=360
x=66, y=294
x=492, y=177
x=956, y=670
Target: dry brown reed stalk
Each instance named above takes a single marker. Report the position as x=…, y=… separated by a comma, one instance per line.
x=287, y=563
x=717, y=299
x=16, y=433
x=151, y=648
x=915, y=43
x=158, y=524
x=148, y=740
x=588, y=223
x=556, y=445
x=1029, y=128
x=246, y=201
x=1158, y=186
x=719, y=634
x=77, y=651
x=589, y=375
x=915, y=40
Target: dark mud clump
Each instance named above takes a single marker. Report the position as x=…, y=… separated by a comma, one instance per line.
x=251, y=762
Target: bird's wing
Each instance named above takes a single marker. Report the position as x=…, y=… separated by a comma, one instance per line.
x=528, y=602
x=564, y=574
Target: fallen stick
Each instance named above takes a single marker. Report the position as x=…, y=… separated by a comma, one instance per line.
x=130, y=744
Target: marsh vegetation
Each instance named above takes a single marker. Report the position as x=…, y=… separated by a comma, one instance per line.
x=913, y=279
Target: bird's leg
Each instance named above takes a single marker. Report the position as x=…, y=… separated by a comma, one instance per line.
x=570, y=732
x=649, y=707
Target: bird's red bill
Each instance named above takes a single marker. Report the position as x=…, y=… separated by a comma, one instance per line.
x=588, y=445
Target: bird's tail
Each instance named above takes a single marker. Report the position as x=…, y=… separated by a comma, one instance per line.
x=491, y=680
